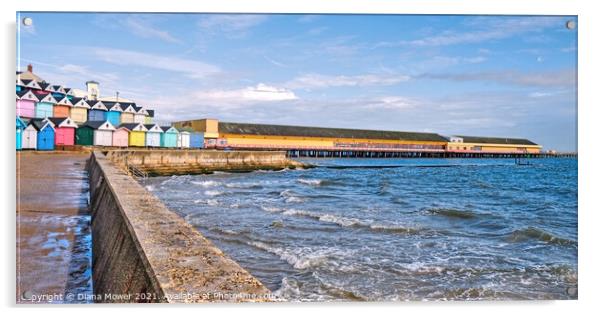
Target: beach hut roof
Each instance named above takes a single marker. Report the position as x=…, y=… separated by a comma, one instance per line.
x=40, y=124
x=100, y=125
x=46, y=98
x=59, y=88
x=43, y=85
x=153, y=128
x=151, y=113
x=128, y=107
x=68, y=91
x=169, y=129
x=64, y=100
x=62, y=122
x=79, y=103
x=134, y=127
x=140, y=110
x=97, y=105
x=113, y=106
x=32, y=84
x=27, y=95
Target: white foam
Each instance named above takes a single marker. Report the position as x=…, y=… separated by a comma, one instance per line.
x=271, y=209
x=150, y=188
x=213, y=192
x=314, y=182
x=205, y=184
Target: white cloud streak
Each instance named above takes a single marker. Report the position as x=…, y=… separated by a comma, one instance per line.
x=190, y=68
x=319, y=81
x=142, y=26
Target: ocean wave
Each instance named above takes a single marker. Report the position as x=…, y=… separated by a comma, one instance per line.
x=271, y=209
x=532, y=233
x=213, y=192
x=206, y=183
x=452, y=213
x=290, y=197
x=302, y=258
x=314, y=182
x=352, y=222
x=244, y=185
x=210, y=202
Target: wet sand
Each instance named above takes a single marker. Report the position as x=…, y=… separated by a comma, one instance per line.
x=53, y=234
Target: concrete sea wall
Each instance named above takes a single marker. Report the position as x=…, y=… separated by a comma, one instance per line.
x=170, y=162
x=143, y=252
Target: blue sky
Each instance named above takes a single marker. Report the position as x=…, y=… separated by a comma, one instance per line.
x=512, y=76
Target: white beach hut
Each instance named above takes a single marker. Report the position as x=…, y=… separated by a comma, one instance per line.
x=184, y=139
x=30, y=137
x=153, y=135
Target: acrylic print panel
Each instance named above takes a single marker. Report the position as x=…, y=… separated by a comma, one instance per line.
x=331, y=158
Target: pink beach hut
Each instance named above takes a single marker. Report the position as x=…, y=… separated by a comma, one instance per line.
x=64, y=128
x=26, y=103
x=120, y=137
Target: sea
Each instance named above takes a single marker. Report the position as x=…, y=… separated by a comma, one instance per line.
x=393, y=229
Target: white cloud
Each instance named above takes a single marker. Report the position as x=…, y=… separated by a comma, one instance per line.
x=391, y=103
x=190, y=68
x=258, y=93
x=316, y=81
x=233, y=25
x=564, y=77
x=142, y=26
x=486, y=29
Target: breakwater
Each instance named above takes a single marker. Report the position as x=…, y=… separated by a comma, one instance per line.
x=143, y=252
x=175, y=162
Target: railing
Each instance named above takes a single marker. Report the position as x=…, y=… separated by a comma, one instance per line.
x=137, y=172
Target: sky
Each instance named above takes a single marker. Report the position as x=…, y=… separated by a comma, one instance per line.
x=506, y=76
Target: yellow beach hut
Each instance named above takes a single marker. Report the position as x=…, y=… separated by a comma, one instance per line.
x=137, y=134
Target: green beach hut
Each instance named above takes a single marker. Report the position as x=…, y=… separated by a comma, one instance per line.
x=84, y=135
x=169, y=137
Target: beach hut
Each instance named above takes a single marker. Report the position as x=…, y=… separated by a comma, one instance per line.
x=44, y=135
x=114, y=113
x=153, y=135
x=120, y=137
x=97, y=112
x=84, y=135
x=19, y=133
x=102, y=132
x=29, y=138
x=140, y=115
x=169, y=137
x=26, y=101
x=79, y=110
x=137, y=134
x=64, y=131
x=62, y=107
x=44, y=105
x=197, y=140
x=149, y=118
x=127, y=114
x=184, y=139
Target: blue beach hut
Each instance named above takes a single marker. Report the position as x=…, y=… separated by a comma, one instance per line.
x=45, y=137
x=169, y=137
x=97, y=112
x=197, y=140
x=20, y=127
